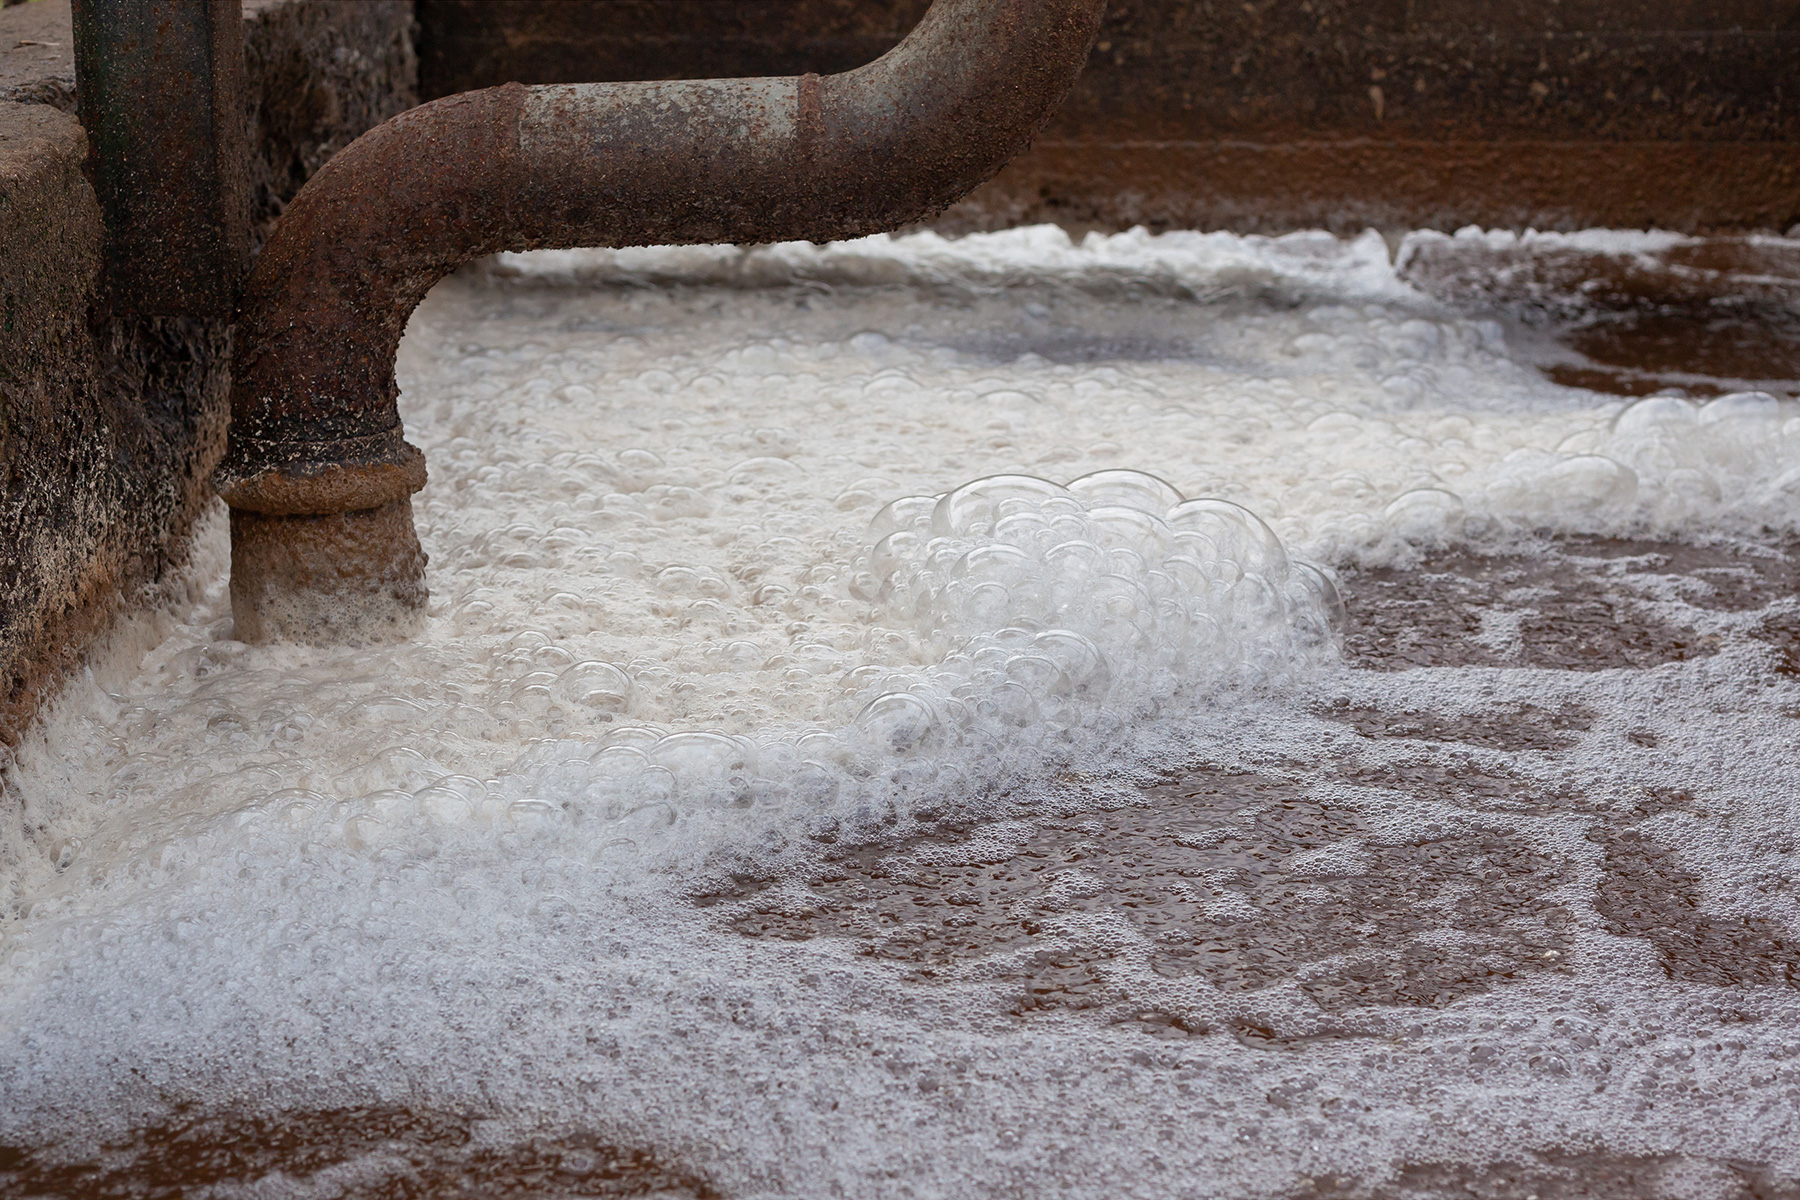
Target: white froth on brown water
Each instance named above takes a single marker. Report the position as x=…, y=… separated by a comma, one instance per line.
x=736, y=555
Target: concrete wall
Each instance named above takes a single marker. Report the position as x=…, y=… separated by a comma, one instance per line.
x=109, y=424
x=58, y=565
x=1271, y=115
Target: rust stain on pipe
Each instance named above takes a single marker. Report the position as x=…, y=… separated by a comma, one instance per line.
x=315, y=430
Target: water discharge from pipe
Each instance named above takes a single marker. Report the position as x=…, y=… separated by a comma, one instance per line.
x=318, y=474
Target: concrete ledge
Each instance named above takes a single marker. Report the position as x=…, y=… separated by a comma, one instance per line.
x=37, y=54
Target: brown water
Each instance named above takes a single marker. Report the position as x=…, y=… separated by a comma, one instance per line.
x=1704, y=316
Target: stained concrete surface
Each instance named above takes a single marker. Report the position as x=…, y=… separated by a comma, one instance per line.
x=65, y=528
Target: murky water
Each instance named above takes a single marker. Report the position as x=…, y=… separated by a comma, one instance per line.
x=963, y=718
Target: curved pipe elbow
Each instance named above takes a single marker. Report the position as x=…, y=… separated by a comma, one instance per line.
x=315, y=429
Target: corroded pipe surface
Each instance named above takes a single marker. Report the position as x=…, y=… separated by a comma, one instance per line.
x=315, y=430
x=162, y=99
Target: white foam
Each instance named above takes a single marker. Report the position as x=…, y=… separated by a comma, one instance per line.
x=811, y=541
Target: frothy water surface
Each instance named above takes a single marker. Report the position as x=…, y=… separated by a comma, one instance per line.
x=743, y=561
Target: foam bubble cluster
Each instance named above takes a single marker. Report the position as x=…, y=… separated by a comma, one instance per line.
x=1136, y=581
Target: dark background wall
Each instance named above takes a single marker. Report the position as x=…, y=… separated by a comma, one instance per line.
x=1279, y=114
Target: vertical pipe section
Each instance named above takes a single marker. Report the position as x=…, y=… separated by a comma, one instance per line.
x=160, y=85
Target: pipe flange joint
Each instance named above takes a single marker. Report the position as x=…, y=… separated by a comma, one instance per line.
x=319, y=478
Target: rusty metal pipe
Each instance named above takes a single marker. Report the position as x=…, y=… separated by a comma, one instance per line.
x=162, y=99
x=318, y=475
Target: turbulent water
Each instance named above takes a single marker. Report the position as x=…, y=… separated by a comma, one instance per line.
x=744, y=558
